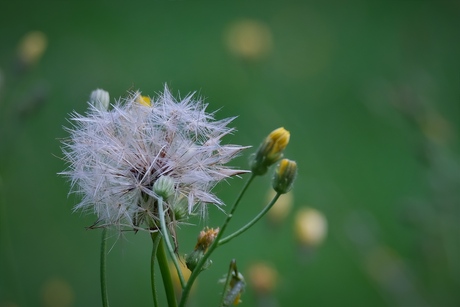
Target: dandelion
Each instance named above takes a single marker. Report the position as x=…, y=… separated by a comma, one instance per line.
x=116, y=155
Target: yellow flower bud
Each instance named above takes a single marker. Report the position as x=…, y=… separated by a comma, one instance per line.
x=285, y=176
x=280, y=138
x=270, y=151
x=144, y=100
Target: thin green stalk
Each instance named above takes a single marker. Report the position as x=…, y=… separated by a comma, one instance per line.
x=251, y=223
x=166, y=275
x=164, y=231
x=105, y=298
x=156, y=238
x=199, y=266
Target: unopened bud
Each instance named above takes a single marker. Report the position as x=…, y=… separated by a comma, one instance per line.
x=284, y=176
x=164, y=187
x=194, y=257
x=100, y=99
x=204, y=241
x=144, y=100
x=206, y=237
x=270, y=151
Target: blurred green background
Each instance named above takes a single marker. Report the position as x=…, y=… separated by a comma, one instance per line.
x=369, y=92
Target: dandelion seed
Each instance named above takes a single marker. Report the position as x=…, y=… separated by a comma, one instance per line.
x=116, y=155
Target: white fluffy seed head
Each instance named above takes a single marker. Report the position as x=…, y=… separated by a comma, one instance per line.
x=115, y=156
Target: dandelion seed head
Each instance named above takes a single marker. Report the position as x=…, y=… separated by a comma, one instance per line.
x=115, y=155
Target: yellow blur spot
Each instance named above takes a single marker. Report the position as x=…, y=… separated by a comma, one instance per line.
x=436, y=128
x=310, y=227
x=57, y=292
x=281, y=208
x=32, y=46
x=249, y=39
x=175, y=276
x=262, y=278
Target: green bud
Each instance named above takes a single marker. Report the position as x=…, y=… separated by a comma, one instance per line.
x=100, y=99
x=164, y=187
x=192, y=260
x=204, y=241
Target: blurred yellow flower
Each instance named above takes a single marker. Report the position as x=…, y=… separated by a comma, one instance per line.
x=249, y=39
x=310, y=227
x=281, y=208
x=175, y=277
x=31, y=47
x=262, y=278
x=56, y=292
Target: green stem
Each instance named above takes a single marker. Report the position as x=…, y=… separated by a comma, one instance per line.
x=156, y=238
x=251, y=223
x=166, y=275
x=164, y=232
x=213, y=246
x=105, y=298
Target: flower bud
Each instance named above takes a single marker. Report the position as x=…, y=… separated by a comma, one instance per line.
x=194, y=257
x=144, y=100
x=270, y=151
x=100, y=99
x=204, y=241
x=284, y=176
x=164, y=187
x=179, y=207
x=206, y=238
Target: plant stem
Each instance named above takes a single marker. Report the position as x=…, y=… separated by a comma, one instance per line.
x=164, y=232
x=166, y=275
x=105, y=298
x=199, y=266
x=156, y=238
x=251, y=223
